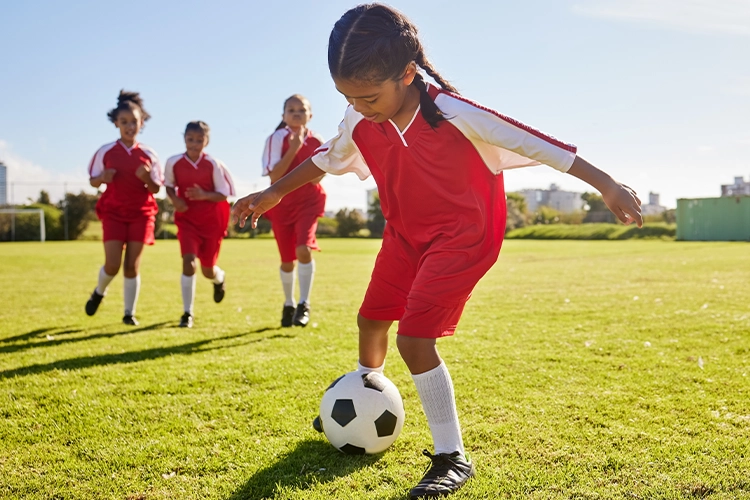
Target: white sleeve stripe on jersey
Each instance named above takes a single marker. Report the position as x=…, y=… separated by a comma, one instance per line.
x=571, y=148
x=98, y=159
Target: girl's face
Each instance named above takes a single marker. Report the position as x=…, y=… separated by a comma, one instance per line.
x=195, y=141
x=296, y=113
x=380, y=102
x=129, y=122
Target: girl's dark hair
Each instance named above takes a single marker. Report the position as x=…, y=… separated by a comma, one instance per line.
x=374, y=43
x=198, y=126
x=300, y=98
x=128, y=101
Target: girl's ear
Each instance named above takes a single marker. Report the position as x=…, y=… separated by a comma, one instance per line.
x=409, y=73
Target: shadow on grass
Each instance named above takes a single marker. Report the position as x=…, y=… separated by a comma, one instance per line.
x=312, y=462
x=38, y=333
x=55, y=342
x=136, y=356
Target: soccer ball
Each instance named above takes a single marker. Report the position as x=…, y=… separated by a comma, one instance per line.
x=361, y=413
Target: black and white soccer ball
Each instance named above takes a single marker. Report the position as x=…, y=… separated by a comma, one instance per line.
x=361, y=413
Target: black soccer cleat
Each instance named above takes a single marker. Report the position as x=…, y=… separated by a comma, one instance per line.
x=219, y=291
x=129, y=319
x=186, y=321
x=287, y=315
x=447, y=474
x=302, y=314
x=318, y=424
x=93, y=303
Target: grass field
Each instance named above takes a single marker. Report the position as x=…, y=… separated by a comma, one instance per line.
x=583, y=370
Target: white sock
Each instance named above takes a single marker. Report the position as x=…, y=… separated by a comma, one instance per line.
x=188, y=292
x=435, y=390
x=366, y=369
x=131, y=287
x=287, y=283
x=306, y=273
x=218, y=276
x=104, y=281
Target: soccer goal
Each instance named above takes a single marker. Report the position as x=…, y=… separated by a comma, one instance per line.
x=24, y=214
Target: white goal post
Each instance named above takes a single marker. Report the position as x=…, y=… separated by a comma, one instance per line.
x=14, y=211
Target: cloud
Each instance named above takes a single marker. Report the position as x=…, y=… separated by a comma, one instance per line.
x=25, y=178
x=727, y=17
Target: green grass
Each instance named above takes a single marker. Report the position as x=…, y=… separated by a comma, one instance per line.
x=586, y=370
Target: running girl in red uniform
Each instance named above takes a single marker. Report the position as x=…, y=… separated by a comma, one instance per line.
x=198, y=186
x=127, y=207
x=295, y=219
x=437, y=159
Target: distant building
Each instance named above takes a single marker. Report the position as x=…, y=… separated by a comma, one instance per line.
x=739, y=188
x=3, y=184
x=653, y=207
x=554, y=197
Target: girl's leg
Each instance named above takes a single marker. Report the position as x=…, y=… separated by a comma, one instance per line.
x=216, y=275
x=132, y=281
x=112, y=258
x=306, y=272
x=187, y=283
x=287, y=282
x=373, y=343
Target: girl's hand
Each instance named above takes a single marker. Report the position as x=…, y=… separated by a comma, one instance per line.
x=143, y=173
x=624, y=203
x=296, y=139
x=108, y=175
x=179, y=204
x=195, y=193
x=254, y=205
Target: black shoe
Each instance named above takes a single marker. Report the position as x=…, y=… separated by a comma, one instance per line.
x=129, y=319
x=287, y=314
x=447, y=473
x=219, y=291
x=93, y=303
x=186, y=321
x=302, y=315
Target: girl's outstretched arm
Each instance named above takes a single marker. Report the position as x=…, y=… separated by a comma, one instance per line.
x=620, y=199
x=256, y=204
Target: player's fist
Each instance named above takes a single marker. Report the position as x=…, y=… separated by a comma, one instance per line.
x=143, y=173
x=297, y=138
x=195, y=193
x=108, y=174
x=180, y=205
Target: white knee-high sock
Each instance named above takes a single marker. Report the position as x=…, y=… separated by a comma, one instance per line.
x=218, y=276
x=366, y=369
x=104, y=281
x=287, y=283
x=306, y=273
x=435, y=390
x=187, y=283
x=131, y=287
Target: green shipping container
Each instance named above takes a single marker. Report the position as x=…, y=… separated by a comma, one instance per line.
x=714, y=219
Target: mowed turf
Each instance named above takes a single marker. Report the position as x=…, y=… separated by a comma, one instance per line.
x=582, y=370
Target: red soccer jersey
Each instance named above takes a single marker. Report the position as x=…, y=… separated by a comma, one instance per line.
x=126, y=198
x=206, y=217
x=310, y=199
x=441, y=189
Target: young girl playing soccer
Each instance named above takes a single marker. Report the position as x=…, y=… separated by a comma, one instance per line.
x=198, y=186
x=127, y=207
x=437, y=159
x=295, y=219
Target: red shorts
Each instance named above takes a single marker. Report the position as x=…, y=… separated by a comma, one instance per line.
x=290, y=236
x=136, y=230
x=406, y=287
x=203, y=247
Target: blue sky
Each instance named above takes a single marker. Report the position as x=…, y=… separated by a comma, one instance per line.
x=655, y=92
